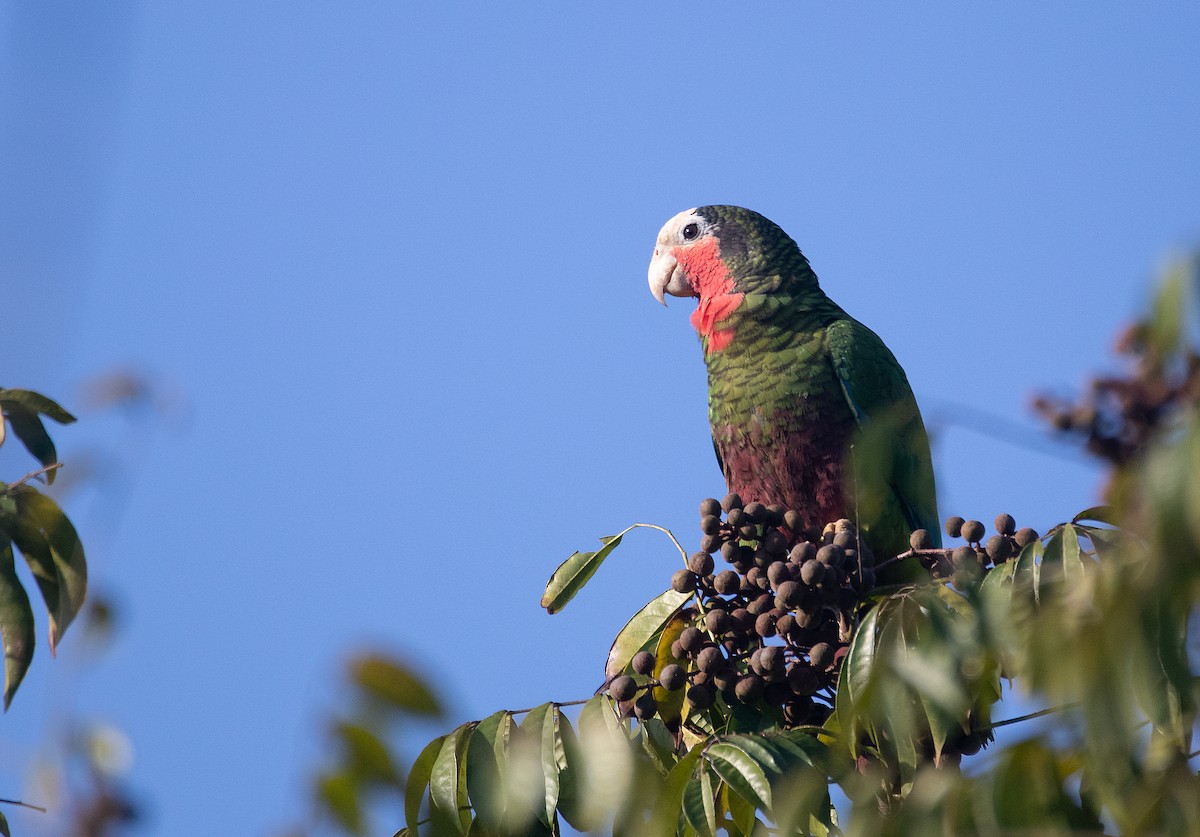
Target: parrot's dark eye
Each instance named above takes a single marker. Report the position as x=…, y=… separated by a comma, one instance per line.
x=690, y=232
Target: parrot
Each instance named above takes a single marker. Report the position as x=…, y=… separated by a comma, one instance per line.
x=808, y=408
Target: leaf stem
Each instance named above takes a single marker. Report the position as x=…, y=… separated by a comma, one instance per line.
x=54, y=466
x=22, y=804
x=1050, y=711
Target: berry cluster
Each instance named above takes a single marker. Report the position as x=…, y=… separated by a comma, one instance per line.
x=771, y=629
x=965, y=566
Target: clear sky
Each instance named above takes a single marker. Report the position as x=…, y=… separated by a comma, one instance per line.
x=392, y=257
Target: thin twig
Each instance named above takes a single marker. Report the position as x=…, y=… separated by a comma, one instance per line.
x=53, y=466
x=1033, y=715
x=22, y=804
x=553, y=702
x=666, y=532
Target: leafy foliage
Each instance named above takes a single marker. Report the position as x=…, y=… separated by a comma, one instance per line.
x=32, y=524
x=1090, y=619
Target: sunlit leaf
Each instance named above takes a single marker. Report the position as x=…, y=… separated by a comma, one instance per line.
x=637, y=631
x=394, y=683
x=575, y=572
x=339, y=793
x=698, y=803
x=367, y=757
x=16, y=624
x=447, y=781
x=1100, y=514
x=670, y=801
x=743, y=775
x=487, y=760
x=32, y=433
x=538, y=728
x=418, y=781
x=34, y=402
x=66, y=553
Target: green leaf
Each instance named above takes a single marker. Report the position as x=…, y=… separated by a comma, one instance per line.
x=16, y=624
x=575, y=572
x=367, y=757
x=33, y=435
x=4, y=826
x=34, y=402
x=1100, y=514
x=758, y=749
x=448, y=779
x=338, y=793
x=418, y=781
x=658, y=743
x=66, y=553
x=487, y=760
x=637, y=631
x=742, y=773
x=667, y=804
x=699, y=805
x=538, y=725
x=394, y=683
x=573, y=779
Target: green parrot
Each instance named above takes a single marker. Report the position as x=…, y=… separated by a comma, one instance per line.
x=809, y=409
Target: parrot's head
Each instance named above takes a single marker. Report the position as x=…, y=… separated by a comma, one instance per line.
x=713, y=250
x=719, y=254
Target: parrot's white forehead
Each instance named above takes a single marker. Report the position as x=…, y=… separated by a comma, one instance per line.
x=672, y=231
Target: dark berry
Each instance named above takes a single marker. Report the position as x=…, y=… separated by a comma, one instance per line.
x=727, y=583
x=711, y=543
x=845, y=539
x=701, y=696
x=691, y=640
x=788, y=595
x=920, y=539
x=731, y=501
x=803, y=679
x=748, y=532
x=775, y=515
x=771, y=659
x=622, y=688
x=756, y=512
x=709, y=506
x=954, y=526
x=645, y=707
x=821, y=655
x=710, y=524
x=760, y=605
x=748, y=688
x=677, y=650
x=717, y=622
x=672, y=677
x=735, y=518
x=624, y=709
x=742, y=619
x=1005, y=525
x=643, y=662
x=812, y=572
x=999, y=548
x=775, y=542
x=964, y=556
x=710, y=660
x=778, y=693
x=831, y=554
x=779, y=572
x=793, y=521
x=1025, y=536
x=683, y=581
x=797, y=712
x=764, y=625
x=701, y=563
x=972, y=531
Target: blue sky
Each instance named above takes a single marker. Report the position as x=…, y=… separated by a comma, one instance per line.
x=392, y=259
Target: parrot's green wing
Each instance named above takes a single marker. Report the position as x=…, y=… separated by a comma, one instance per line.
x=890, y=457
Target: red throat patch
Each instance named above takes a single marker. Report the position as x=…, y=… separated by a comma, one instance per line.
x=709, y=276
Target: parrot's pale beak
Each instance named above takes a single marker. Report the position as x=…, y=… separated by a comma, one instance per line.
x=666, y=277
